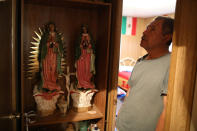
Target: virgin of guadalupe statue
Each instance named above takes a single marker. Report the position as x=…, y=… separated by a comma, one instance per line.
x=50, y=53
x=85, y=59
x=85, y=71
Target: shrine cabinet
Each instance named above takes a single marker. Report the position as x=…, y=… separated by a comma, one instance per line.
x=69, y=15
x=23, y=21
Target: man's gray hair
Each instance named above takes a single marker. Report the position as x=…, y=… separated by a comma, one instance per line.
x=167, y=26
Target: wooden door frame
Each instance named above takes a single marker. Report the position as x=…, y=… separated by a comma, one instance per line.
x=14, y=61
x=183, y=67
x=114, y=63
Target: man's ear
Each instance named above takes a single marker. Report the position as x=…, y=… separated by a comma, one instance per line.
x=168, y=37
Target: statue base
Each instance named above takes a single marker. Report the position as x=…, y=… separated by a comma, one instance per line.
x=46, y=102
x=82, y=99
x=46, y=107
x=82, y=109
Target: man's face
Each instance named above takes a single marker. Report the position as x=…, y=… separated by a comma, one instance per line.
x=152, y=37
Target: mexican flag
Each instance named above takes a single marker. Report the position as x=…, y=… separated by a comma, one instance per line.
x=129, y=25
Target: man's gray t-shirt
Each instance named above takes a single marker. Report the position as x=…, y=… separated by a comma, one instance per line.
x=142, y=108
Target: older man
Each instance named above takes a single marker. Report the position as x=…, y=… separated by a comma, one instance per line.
x=144, y=108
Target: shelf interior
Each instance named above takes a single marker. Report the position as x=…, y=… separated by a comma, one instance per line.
x=71, y=116
x=68, y=16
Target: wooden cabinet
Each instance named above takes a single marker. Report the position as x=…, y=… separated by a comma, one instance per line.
x=8, y=68
x=68, y=15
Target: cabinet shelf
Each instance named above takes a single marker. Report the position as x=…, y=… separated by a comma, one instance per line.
x=71, y=116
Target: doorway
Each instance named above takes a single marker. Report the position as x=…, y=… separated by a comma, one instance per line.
x=130, y=51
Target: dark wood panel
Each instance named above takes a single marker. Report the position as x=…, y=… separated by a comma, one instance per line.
x=5, y=66
x=5, y=58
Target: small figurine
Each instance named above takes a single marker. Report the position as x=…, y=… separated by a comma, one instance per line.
x=94, y=127
x=70, y=127
x=83, y=125
x=62, y=104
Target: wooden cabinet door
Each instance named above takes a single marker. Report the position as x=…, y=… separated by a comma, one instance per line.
x=8, y=68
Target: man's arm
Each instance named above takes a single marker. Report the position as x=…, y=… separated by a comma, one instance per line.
x=160, y=124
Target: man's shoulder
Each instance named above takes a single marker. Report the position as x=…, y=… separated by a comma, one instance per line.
x=142, y=58
x=166, y=56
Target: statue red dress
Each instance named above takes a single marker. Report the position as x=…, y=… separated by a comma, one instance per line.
x=47, y=91
x=85, y=71
x=85, y=60
x=50, y=61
